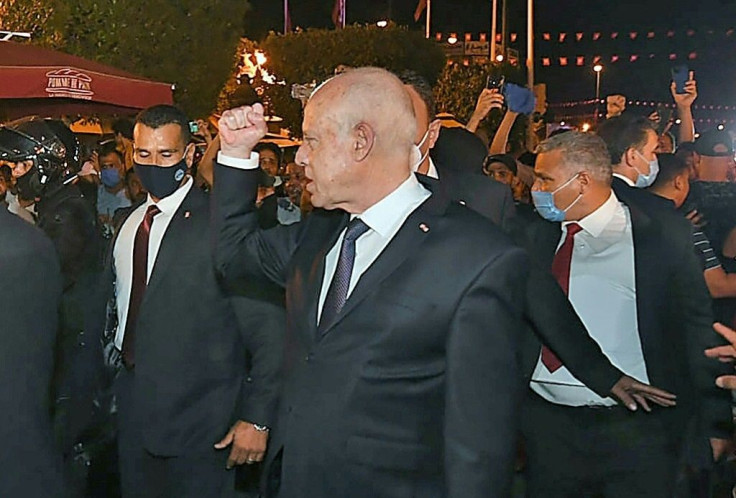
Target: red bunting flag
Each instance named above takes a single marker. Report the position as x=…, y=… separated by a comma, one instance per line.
x=420, y=8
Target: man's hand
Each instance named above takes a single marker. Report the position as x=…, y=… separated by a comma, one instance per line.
x=725, y=354
x=241, y=129
x=204, y=131
x=720, y=447
x=248, y=444
x=696, y=218
x=630, y=392
x=691, y=92
x=487, y=100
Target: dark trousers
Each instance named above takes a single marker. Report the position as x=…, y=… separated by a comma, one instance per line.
x=144, y=475
x=611, y=452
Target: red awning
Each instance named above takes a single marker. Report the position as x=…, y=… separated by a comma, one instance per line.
x=58, y=81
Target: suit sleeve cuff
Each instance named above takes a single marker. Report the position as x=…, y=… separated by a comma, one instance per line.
x=235, y=162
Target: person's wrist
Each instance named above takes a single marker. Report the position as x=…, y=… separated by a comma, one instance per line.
x=236, y=152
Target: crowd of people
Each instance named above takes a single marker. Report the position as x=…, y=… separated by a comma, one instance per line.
x=398, y=310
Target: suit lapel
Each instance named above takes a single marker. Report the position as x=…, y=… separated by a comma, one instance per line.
x=174, y=238
x=405, y=243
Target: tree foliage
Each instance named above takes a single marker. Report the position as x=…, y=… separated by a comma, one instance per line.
x=312, y=56
x=459, y=86
x=186, y=42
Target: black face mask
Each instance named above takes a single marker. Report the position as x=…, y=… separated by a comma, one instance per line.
x=161, y=181
x=29, y=185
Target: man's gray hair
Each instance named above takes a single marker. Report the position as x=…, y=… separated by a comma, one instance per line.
x=581, y=152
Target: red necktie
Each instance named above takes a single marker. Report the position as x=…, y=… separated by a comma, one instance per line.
x=561, y=271
x=140, y=281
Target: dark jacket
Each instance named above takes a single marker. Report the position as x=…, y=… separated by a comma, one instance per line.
x=413, y=389
x=30, y=294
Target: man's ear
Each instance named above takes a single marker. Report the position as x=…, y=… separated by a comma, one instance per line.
x=585, y=180
x=189, y=154
x=681, y=181
x=363, y=140
x=629, y=157
x=434, y=132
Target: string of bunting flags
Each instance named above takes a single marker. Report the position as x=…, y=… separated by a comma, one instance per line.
x=580, y=36
x=580, y=60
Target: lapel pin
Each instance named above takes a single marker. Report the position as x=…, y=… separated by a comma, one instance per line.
x=187, y=214
x=462, y=203
x=423, y=227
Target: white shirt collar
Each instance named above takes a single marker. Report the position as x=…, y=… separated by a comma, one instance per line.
x=432, y=171
x=384, y=216
x=599, y=219
x=169, y=205
x=626, y=179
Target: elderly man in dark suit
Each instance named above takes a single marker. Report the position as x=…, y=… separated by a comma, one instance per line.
x=189, y=406
x=401, y=370
x=30, y=290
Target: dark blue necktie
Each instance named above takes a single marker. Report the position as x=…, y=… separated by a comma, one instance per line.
x=337, y=294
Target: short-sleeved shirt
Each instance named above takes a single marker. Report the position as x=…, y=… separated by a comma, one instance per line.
x=706, y=254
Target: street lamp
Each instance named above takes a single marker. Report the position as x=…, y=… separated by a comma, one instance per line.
x=382, y=23
x=452, y=39
x=598, y=68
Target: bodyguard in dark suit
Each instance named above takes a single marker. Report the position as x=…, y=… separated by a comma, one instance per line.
x=189, y=406
x=640, y=291
x=30, y=289
x=401, y=373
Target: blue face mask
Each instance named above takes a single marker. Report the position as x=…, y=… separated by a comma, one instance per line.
x=110, y=177
x=545, y=203
x=644, y=181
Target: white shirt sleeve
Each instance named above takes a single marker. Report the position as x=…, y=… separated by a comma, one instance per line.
x=236, y=162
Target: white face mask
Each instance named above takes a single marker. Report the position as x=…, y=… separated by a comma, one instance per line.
x=417, y=157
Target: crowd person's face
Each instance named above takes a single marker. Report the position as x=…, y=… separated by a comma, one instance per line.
x=20, y=168
x=269, y=162
x=665, y=145
x=499, y=172
x=134, y=188
x=325, y=155
x=551, y=174
x=647, y=152
x=427, y=132
x=295, y=181
x=112, y=161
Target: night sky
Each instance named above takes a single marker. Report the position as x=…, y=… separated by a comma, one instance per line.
x=646, y=79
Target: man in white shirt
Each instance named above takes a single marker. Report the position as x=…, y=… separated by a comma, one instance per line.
x=403, y=308
x=639, y=291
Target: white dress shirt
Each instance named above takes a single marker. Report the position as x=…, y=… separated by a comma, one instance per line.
x=603, y=292
x=384, y=219
x=123, y=250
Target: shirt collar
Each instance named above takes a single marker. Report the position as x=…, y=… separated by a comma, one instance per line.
x=384, y=216
x=169, y=205
x=599, y=219
x=626, y=179
x=432, y=171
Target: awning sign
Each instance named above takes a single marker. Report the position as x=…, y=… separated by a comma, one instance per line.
x=69, y=83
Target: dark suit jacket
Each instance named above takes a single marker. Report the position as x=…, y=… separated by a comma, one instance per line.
x=673, y=308
x=413, y=389
x=30, y=291
x=191, y=379
x=547, y=312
